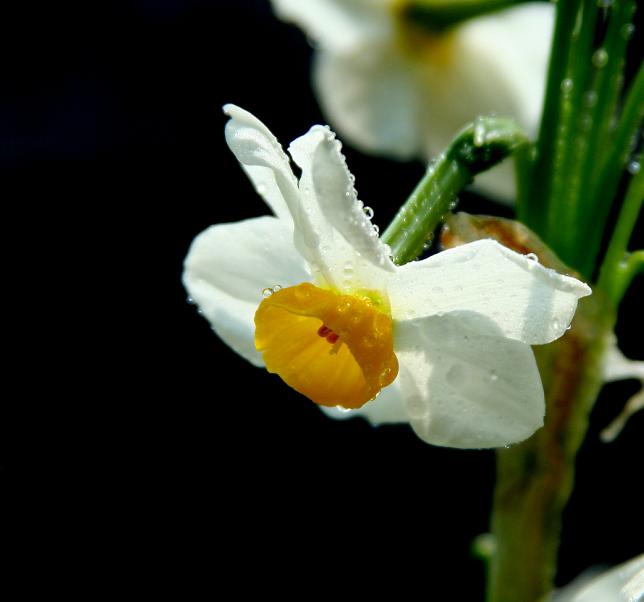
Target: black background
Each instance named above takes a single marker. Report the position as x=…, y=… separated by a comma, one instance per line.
x=189, y=468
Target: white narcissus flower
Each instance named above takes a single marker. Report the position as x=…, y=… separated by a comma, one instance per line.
x=391, y=88
x=447, y=338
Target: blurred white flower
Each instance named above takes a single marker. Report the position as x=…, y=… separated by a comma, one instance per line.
x=392, y=88
x=312, y=294
x=618, y=367
x=623, y=583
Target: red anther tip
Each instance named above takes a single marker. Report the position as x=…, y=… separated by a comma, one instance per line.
x=323, y=331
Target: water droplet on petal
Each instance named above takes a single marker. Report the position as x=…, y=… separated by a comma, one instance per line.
x=532, y=257
x=190, y=301
x=277, y=287
x=376, y=229
x=566, y=85
x=368, y=211
x=267, y=292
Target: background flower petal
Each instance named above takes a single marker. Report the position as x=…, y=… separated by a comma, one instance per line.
x=464, y=385
x=516, y=44
x=526, y=301
x=373, y=99
x=386, y=98
x=337, y=25
x=227, y=268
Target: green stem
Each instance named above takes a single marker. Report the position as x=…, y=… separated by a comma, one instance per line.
x=478, y=147
x=437, y=15
x=414, y=224
x=618, y=269
x=532, y=212
x=632, y=265
x=572, y=134
x=608, y=82
x=611, y=171
x=535, y=478
x=523, y=157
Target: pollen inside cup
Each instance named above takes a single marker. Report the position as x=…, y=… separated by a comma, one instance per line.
x=335, y=349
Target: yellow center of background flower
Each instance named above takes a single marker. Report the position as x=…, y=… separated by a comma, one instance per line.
x=335, y=349
x=420, y=44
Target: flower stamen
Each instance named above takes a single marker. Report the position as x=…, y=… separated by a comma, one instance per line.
x=326, y=333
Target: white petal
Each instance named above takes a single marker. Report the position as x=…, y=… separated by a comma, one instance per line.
x=227, y=268
x=337, y=25
x=385, y=99
x=526, y=301
x=616, y=366
x=623, y=583
x=340, y=241
x=612, y=431
x=263, y=159
x=498, y=182
x=374, y=99
x=387, y=408
x=498, y=65
x=464, y=385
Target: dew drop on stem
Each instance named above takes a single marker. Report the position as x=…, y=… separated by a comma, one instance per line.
x=600, y=58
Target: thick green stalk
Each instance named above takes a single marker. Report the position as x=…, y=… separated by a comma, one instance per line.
x=612, y=170
x=535, y=478
x=608, y=62
x=572, y=146
x=478, y=147
x=533, y=212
